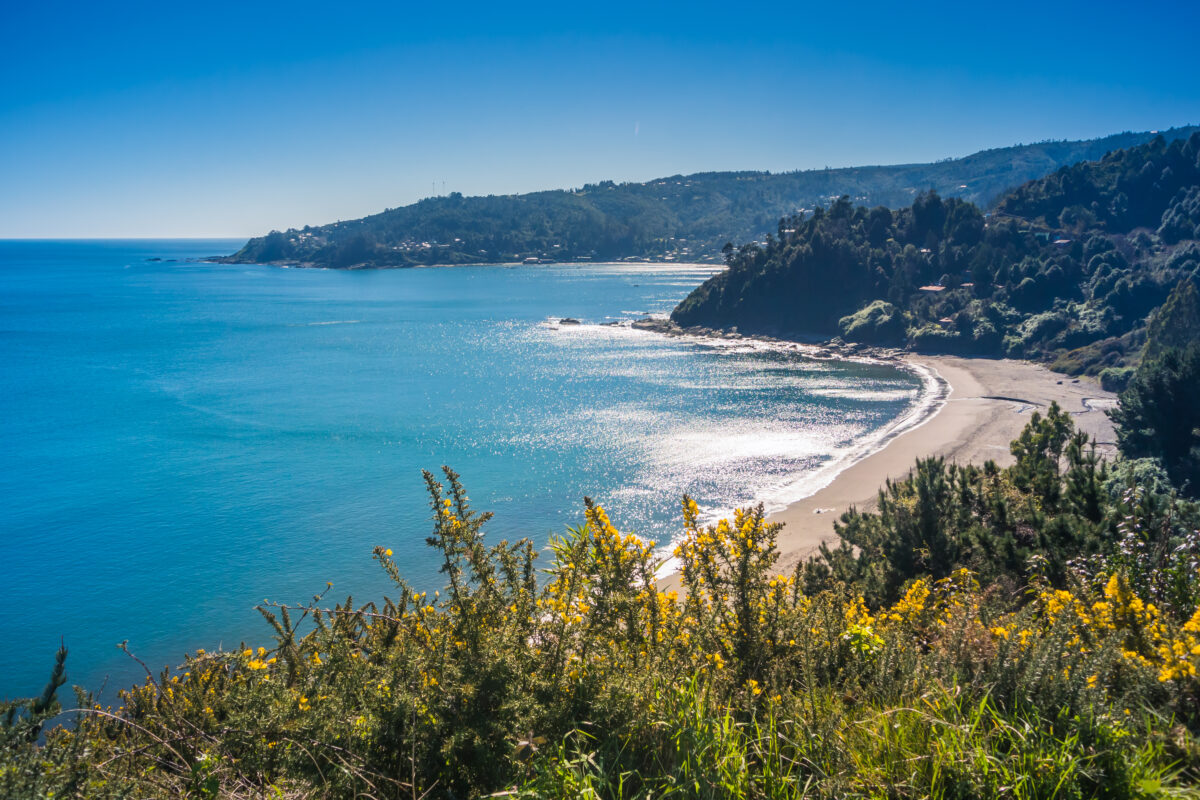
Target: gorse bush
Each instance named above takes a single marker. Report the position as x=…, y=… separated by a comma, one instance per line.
x=929, y=662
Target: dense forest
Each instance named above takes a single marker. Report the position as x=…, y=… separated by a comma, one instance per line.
x=1067, y=269
x=683, y=217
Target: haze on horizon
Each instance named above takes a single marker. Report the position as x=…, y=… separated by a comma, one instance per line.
x=153, y=120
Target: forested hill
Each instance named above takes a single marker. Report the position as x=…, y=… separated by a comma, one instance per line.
x=681, y=217
x=1066, y=270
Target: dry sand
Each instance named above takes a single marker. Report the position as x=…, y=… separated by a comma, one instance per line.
x=989, y=402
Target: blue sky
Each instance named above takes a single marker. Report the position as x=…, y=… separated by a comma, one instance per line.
x=167, y=119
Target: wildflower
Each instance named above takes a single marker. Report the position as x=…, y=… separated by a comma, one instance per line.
x=912, y=604
x=856, y=613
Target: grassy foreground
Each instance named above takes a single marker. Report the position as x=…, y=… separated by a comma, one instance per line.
x=582, y=679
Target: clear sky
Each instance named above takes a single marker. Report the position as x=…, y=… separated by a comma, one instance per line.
x=196, y=119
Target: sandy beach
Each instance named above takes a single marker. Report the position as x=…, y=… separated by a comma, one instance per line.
x=989, y=402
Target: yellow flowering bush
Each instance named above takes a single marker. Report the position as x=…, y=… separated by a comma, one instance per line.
x=590, y=676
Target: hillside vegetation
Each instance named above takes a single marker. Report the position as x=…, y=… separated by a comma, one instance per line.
x=1067, y=269
x=1026, y=632
x=684, y=217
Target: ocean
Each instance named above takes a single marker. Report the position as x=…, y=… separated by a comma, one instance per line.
x=180, y=440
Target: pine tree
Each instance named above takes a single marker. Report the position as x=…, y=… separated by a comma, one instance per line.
x=1176, y=323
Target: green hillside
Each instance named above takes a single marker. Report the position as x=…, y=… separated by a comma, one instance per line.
x=1066, y=269
x=684, y=217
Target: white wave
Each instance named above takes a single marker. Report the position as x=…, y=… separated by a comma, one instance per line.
x=867, y=394
x=777, y=495
x=709, y=449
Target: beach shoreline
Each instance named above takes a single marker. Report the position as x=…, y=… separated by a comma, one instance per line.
x=984, y=405
x=989, y=402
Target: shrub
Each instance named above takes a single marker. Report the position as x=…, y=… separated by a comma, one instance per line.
x=1159, y=415
x=906, y=675
x=878, y=322
x=1115, y=379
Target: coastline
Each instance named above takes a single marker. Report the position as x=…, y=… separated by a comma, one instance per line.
x=990, y=401
x=986, y=404
x=716, y=265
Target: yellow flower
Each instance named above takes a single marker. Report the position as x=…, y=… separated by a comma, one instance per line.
x=912, y=604
x=388, y=552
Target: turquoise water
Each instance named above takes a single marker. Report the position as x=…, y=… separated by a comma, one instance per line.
x=181, y=440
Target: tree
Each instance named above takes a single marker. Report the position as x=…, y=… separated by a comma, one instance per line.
x=1159, y=415
x=1176, y=323
x=1039, y=451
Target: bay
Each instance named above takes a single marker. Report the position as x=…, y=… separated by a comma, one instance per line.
x=181, y=440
